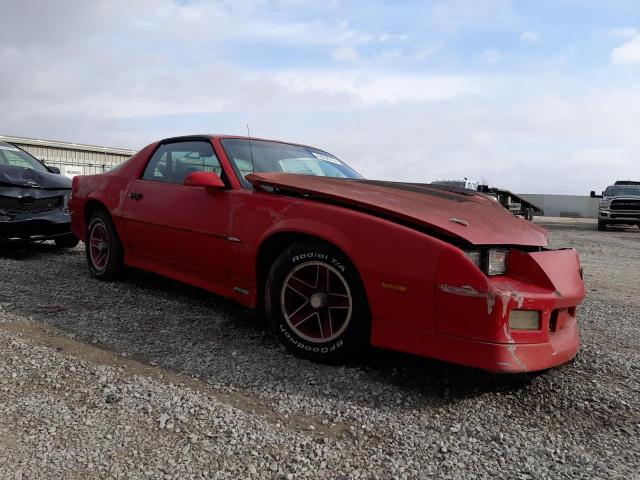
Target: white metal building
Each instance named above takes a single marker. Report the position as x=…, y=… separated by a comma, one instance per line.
x=72, y=158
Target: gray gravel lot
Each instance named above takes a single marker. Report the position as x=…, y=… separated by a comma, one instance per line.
x=147, y=378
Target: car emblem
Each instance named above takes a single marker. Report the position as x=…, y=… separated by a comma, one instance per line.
x=32, y=184
x=459, y=221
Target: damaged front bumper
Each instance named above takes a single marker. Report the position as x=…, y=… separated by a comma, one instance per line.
x=20, y=223
x=478, y=318
x=472, y=313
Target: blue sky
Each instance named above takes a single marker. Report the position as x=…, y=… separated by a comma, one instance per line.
x=534, y=96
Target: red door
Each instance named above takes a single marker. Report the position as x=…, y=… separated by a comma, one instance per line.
x=175, y=229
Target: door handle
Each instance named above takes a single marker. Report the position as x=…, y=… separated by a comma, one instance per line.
x=135, y=196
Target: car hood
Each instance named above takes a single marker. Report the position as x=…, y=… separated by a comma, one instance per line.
x=450, y=211
x=26, y=177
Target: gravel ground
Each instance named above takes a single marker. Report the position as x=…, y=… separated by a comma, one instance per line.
x=147, y=378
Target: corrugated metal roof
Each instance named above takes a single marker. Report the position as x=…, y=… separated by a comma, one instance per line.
x=65, y=145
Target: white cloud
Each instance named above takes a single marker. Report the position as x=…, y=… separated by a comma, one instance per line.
x=345, y=54
x=98, y=76
x=423, y=54
x=390, y=54
x=628, y=52
x=529, y=37
x=356, y=88
x=390, y=37
x=491, y=55
x=525, y=145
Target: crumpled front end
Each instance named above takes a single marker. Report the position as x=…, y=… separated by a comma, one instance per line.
x=524, y=320
x=29, y=214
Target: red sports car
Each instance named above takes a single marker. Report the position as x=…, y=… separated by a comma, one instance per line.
x=337, y=262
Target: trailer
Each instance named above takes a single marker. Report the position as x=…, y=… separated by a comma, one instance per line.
x=512, y=202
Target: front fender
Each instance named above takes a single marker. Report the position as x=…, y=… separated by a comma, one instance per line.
x=397, y=264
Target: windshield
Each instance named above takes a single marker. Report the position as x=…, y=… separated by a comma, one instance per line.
x=249, y=156
x=622, y=190
x=14, y=157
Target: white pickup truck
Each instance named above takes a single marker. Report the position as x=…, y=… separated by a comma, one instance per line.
x=619, y=204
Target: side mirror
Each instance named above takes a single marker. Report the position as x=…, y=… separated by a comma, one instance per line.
x=593, y=194
x=54, y=170
x=209, y=180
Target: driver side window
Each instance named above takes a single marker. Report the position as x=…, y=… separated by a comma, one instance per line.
x=172, y=162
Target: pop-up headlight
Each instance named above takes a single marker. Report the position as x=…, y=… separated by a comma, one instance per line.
x=475, y=256
x=492, y=262
x=497, y=261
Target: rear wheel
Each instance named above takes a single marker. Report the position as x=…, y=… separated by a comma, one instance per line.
x=67, y=241
x=602, y=225
x=316, y=303
x=103, y=248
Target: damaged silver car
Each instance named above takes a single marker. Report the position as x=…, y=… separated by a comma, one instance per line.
x=33, y=200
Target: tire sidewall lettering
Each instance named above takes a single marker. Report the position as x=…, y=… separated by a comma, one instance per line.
x=334, y=262
x=304, y=346
x=353, y=338
x=309, y=256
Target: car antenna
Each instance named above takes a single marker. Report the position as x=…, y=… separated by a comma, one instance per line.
x=253, y=168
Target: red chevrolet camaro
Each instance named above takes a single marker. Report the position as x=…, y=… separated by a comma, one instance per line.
x=337, y=262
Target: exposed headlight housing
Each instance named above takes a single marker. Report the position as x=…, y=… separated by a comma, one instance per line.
x=497, y=261
x=492, y=261
x=475, y=256
x=524, y=320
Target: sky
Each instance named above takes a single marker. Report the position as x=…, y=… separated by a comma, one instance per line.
x=536, y=97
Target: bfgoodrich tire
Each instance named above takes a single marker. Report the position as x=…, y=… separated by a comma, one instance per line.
x=103, y=248
x=316, y=303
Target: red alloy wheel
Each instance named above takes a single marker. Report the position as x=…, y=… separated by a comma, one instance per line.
x=316, y=302
x=99, y=246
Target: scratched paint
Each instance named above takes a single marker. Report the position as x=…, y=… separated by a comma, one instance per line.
x=491, y=301
x=507, y=333
x=514, y=355
x=505, y=296
x=465, y=291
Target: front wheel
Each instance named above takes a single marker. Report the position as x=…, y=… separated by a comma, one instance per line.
x=602, y=226
x=316, y=303
x=103, y=248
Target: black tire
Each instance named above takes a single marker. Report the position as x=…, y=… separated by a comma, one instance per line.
x=67, y=241
x=101, y=228
x=316, y=303
x=602, y=226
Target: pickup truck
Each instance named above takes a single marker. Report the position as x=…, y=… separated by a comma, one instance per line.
x=619, y=204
